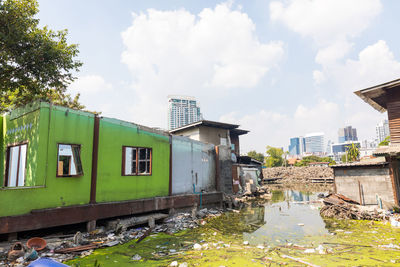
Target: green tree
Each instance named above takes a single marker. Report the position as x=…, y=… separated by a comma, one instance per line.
x=35, y=63
x=274, y=157
x=344, y=158
x=385, y=142
x=257, y=156
x=353, y=153
x=306, y=160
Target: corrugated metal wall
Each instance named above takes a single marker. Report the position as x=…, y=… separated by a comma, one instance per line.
x=193, y=163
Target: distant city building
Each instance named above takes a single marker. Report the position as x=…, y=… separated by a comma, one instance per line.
x=347, y=134
x=369, y=144
x=344, y=147
x=382, y=130
x=297, y=146
x=314, y=143
x=182, y=110
x=329, y=147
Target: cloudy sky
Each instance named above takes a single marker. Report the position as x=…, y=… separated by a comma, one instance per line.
x=278, y=68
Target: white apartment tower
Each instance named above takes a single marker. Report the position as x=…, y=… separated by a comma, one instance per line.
x=382, y=130
x=182, y=110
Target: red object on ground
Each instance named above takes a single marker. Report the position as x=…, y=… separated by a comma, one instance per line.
x=37, y=243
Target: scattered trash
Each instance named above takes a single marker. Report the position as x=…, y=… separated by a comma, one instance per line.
x=78, y=238
x=17, y=250
x=31, y=255
x=174, y=263
x=299, y=260
x=137, y=257
x=197, y=246
x=394, y=222
x=41, y=262
x=37, y=243
x=76, y=249
x=309, y=250
x=111, y=244
x=245, y=243
x=390, y=246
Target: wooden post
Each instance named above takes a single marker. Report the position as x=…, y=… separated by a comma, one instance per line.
x=217, y=184
x=359, y=192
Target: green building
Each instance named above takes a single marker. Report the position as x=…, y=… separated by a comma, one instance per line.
x=73, y=164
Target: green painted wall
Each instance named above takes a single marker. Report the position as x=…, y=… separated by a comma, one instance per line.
x=1, y=151
x=44, y=126
x=50, y=126
x=111, y=185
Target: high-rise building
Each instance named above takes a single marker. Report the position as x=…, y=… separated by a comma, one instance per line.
x=182, y=110
x=297, y=146
x=314, y=143
x=347, y=134
x=382, y=130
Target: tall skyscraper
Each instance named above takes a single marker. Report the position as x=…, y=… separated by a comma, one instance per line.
x=347, y=134
x=382, y=130
x=297, y=146
x=315, y=143
x=182, y=110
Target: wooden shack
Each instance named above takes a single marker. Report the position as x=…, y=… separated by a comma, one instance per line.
x=386, y=97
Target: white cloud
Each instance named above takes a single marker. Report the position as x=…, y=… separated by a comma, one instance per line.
x=326, y=21
x=375, y=64
x=90, y=84
x=275, y=129
x=335, y=51
x=96, y=93
x=177, y=52
x=331, y=24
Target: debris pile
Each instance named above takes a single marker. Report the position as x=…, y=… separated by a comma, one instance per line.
x=340, y=207
x=65, y=247
x=298, y=174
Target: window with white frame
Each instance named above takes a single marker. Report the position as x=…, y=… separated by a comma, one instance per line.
x=69, y=160
x=16, y=165
x=136, y=161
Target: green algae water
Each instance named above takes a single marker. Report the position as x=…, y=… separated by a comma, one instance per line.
x=287, y=230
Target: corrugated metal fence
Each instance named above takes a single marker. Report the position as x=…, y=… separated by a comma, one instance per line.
x=193, y=166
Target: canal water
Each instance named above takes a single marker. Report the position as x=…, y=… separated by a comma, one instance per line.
x=293, y=217
x=280, y=231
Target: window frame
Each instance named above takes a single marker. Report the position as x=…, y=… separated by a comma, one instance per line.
x=137, y=161
x=6, y=171
x=58, y=150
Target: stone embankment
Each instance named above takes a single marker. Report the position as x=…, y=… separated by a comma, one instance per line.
x=298, y=174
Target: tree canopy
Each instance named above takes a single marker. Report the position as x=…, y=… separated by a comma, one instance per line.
x=274, y=157
x=257, y=156
x=353, y=153
x=305, y=161
x=35, y=63
x=385, y=142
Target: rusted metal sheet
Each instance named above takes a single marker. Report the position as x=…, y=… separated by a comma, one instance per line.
x=45, y=218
